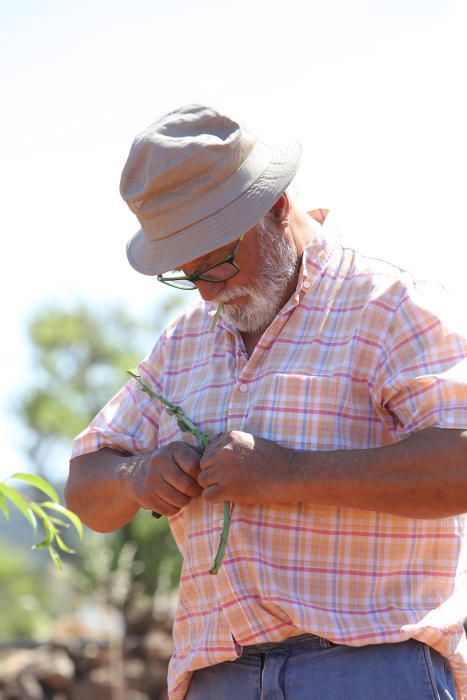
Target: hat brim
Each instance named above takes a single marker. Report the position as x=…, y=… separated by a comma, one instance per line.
x=153, y=257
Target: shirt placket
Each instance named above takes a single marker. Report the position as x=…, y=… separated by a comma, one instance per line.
x=234, y=615
x=237, y=413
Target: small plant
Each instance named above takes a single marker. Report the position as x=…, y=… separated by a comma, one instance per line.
x=33, y=511
x=187, y=426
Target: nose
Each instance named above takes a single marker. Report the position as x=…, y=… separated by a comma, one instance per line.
x=209, y=290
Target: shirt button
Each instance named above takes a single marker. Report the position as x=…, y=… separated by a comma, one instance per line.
x=243, y=388
x=306, y=285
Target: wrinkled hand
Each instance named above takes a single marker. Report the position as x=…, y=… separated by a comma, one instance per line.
x=166, y=480
x=244, y=468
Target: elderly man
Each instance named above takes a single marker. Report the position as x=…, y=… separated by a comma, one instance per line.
x=336, y=400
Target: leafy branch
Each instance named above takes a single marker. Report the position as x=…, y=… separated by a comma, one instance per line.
x=33, y=511
x=187, y=426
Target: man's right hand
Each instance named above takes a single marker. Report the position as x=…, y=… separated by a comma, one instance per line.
x=165, y=480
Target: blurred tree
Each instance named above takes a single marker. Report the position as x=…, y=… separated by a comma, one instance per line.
x=80, y=357
x=27, y=600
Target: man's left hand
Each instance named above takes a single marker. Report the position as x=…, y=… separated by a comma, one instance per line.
x=243, y=468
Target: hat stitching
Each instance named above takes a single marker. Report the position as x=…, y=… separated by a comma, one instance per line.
x=199, y=185
x=150, y=215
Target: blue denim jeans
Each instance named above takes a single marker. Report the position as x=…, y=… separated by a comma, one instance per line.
x=310, y=668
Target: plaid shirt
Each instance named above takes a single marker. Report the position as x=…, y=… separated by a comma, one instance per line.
x=357, y=358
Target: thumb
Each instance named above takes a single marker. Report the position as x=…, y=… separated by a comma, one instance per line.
x=208, y=459
x=187, y=457
x=210, y=453
x=214, y=445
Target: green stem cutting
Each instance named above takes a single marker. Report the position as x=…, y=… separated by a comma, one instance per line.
x=187, y=426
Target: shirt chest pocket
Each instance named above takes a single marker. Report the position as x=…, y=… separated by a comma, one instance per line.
x=308, y=412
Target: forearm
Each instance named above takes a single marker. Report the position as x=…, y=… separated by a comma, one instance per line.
x=424, y=476
x=97, y=489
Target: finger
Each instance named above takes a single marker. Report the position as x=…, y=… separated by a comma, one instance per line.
x=172, y=495
x=207, y=478
x=156, y=504
x=207, y=461
x=187, y=458
x=216, y=444
x=211, y=455
x=214, y=494
x=182, y=482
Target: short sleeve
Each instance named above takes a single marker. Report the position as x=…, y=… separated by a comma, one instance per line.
x=421, y=378
x=129, y=421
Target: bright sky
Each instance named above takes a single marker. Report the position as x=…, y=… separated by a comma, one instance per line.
x=372, y=88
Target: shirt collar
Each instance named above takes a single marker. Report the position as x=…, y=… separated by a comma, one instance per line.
x=314, y=260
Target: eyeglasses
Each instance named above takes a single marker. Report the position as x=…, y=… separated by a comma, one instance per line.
x=221, y=271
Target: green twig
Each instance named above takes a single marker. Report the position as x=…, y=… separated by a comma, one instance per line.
x=184, y=423
x=219, y=310
x=187, y=426
x=224, y=537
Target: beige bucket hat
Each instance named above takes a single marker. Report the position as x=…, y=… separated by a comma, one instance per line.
x=197, y=180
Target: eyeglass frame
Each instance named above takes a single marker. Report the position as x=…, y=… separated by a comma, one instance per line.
x=230, y=259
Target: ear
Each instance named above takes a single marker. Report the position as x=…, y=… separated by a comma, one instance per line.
x=280, y=209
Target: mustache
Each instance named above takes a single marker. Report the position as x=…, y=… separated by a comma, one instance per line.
x=232, y=294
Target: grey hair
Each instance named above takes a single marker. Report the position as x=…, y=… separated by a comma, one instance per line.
x=276, y=249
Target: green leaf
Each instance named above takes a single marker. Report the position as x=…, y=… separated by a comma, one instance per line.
x=38, y=510
x=4, y=506
x=58, y=521
x=55, y=558
x=63, y=546
x=39, y=482
x=49, y=528
x=22, y=503
x=67, y=513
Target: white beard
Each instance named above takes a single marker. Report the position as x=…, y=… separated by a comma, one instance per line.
x=262, y=300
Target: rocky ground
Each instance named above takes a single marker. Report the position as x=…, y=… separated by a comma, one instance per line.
x=70, y=667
